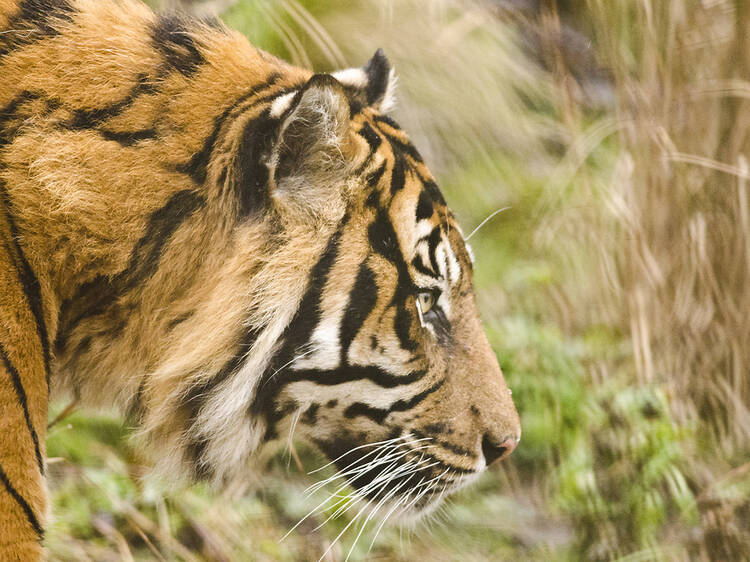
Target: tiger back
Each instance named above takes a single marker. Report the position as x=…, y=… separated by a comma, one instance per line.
x=230, y=250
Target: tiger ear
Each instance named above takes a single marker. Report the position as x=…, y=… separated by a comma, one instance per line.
x=372, y=85
x=312, y=133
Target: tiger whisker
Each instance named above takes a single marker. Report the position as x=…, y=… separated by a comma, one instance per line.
x=354, y=519
x=379, y=482
x=317, y=509
x=377, y=461
x=353, y=466
x=404, y=506
x=378, y=443
x=383, y=522
x=371, y=515
x=290, y=362
x=405, y=470
x=382, y=455
x=485, y=221
x=360, y=469
x=295, y=419
x=389, y=453
x=364, y=524
x=427, y=486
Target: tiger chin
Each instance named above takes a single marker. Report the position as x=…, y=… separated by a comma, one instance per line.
x=230, y=250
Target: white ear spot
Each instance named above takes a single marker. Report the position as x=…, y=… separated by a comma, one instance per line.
x=281, y=104
x=354, y=77
x=389, y=99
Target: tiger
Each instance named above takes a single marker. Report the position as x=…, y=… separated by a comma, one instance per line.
x=229, y=250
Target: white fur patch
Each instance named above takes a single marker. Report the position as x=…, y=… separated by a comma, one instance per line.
x=281, y=104
x=354, y=77
x=357, y=78
x=325, y=343
x=389, y=99
x=454, y=268
x=362, y=390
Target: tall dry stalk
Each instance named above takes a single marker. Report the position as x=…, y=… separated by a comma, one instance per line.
x=683, y=270
x=678, y=235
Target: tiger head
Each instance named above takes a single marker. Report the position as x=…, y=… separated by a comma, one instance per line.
x=385, y=365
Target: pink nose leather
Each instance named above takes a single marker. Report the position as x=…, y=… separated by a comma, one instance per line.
x=495, y=451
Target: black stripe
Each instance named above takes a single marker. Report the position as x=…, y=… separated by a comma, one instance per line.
x=251, y=174
x=128, y=138
x=433, y=241
x=33, y=521
x=402, y=323
x=350, y=373
x=378, y=415
x=371, y=137
x=9, y=112
x=425, y=207
x=387, y=120
x=197, y=166
x=404, y=147
x=374, y=141
x=21, y=395
x=445, y=444
x=362, y=300
x=297, y=333
x=310, y=417
x=420, y=266
x=383, y=240
x=91, y=118
x=398, y=175
x=434, y=191
x=373, y=178
x=308, y=314
x=171, y=36
x=35, y=19
x=96, y=296
x=30, y=283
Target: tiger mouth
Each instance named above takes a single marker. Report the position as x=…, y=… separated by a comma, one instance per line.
x=402, y=479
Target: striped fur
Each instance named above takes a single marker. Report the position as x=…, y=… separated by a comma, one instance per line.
x=229, y=249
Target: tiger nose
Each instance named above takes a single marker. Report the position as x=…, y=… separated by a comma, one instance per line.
x=494, y=451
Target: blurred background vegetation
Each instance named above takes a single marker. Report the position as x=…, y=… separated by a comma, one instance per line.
x=615, y=289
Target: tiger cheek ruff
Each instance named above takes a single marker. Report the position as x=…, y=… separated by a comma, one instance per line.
x=228, y=249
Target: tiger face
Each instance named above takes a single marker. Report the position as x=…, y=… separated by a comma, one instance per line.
x=385, y=366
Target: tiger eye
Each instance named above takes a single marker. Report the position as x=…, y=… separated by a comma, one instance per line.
x=426, y=301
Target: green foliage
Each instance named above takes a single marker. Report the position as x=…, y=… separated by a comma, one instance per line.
x=624, y=479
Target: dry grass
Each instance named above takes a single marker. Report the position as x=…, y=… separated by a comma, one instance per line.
x=680, y=200
x=673, y=242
